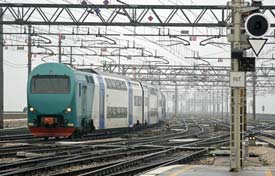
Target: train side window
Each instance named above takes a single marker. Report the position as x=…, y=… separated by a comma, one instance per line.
x=87, y=79
x=117, y=84
x=121, y=85
x=91, y=79
x=109, y=112
x=112, y=84
x=109, y=83
x=124, y=87
x=79, y=89
x=115, y=112
x=120, y=115
x=125, y=115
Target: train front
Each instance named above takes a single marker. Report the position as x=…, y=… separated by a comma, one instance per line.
x=50, y=101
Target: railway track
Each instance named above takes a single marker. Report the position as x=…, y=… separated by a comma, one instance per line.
x=10, y=131
x=23, y=134
x=267, y=138
x=57, y=162
x=128, y=156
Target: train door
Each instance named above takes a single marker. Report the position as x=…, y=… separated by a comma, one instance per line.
x=130, y=104
x=101, y=102
x=84, y=99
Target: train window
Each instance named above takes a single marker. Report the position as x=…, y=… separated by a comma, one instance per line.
x=108, y=82
x=79, y=89
x=119, y=112
x=115, y=84
x=91, y=79
x=137, y=100
x=47, y=84
x=109, y=112
x=118, y=85
x=87, y=79
x=125, y=113
x=116, y=112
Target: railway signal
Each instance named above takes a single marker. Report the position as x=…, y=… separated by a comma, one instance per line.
x=257, y=26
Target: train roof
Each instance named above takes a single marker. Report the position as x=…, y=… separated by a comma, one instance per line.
x=95, y=71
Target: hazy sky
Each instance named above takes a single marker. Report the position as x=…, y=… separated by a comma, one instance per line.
x=15, y=70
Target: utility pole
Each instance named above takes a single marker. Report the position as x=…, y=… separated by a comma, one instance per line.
x=71, y=56
x=222, y=104
x=1, y=74
x=176, y=100
x=210, y=104
x=119, y=52
x=59, y=48
x=213, y=102
x=254, y=95
x=237, y=95
x=227, y=104
x=218, y=105
x=29, y=50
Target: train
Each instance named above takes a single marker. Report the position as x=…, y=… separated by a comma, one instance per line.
x=65, y=102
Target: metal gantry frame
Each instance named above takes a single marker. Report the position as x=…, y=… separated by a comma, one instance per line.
x=120, y=15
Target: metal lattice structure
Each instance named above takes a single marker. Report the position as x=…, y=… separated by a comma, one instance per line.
x=120, y=15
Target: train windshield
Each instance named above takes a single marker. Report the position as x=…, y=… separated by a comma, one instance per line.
x=50, y=84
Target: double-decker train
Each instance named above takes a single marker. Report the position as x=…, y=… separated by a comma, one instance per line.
x=63, y=101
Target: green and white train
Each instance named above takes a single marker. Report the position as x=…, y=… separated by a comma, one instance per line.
x=63, y=101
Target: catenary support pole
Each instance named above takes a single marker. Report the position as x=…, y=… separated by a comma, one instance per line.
x=59, y=48
x=1, y=74
x=227, y=104
x=238, y=96
x=71, y=56
x=29, y=50
x=176, y=100
x=222, y=103
x=254, y=95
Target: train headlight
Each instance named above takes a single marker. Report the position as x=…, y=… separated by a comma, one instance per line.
x=32, y=109
x=68, y=110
